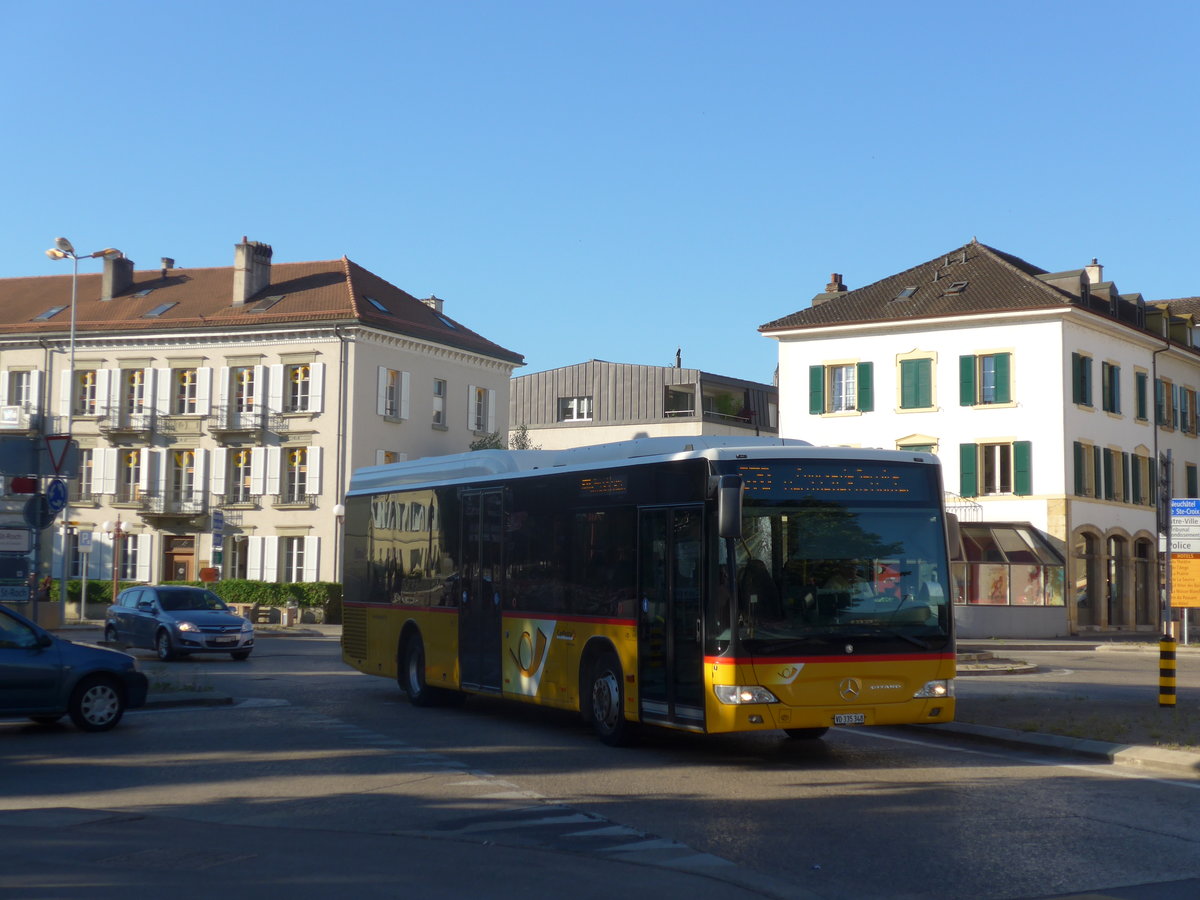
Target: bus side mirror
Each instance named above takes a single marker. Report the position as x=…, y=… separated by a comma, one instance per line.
x=729, y=506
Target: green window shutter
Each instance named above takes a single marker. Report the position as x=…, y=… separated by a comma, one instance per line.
x=910, y=389
x=1125, y=483
x=1022, y=468
x=866, y=387
x=1136, y=472
x=1097, y=474
x=1080, y=471
x=1109, y=476
x=1115, y=390
x=966, y=381
x=1003, y=377
x=1151, y=483
x=968, y=464
x=1076, y=378
x=1140, y=379
x=924, y=383
x=816, y=390
x=1105, y=387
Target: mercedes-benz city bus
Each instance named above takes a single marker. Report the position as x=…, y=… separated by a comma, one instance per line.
x=711, y=584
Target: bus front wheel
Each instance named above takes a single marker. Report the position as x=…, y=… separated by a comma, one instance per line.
x=606, y=694
x=412, y=673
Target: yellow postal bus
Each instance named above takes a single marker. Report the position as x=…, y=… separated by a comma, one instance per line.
x=711, y=584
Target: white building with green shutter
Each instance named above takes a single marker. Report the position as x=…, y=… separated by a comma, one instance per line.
x=1048, y=397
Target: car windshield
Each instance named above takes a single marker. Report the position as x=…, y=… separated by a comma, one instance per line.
x=176, y=600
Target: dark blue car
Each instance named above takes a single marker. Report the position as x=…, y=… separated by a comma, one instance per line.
x=44, y=677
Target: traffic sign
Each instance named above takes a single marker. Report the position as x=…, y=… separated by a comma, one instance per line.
x=56, y=494
x=38, y=513
x=85, y=541
x=15, y=540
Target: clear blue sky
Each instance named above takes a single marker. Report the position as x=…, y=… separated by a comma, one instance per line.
x=608, y=180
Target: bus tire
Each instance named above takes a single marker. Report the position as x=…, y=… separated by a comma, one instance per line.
x=805, y=734
x=606, y=700
x=412, y=672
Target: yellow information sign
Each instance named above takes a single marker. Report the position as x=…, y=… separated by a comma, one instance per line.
x=1185, y=580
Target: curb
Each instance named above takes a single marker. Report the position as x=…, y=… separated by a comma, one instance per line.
x=1181, y=763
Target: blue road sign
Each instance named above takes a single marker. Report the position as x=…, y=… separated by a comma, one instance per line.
x=56, y=494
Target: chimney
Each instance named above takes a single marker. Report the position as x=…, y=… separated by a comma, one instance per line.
x=835, y=286
x=1095, y=272
x=434, y=303
x=251, y=269
x=117, y=277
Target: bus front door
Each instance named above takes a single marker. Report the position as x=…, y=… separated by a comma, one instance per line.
x=479, y=615
x=670, y=658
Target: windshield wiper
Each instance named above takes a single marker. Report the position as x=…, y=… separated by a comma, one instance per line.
x=892, y=632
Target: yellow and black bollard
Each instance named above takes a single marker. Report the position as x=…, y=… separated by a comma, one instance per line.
x=1166, y=670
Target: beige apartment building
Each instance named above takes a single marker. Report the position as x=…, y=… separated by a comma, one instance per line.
x=239, y=397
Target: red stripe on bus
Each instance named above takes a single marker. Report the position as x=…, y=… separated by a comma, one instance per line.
x=807, y=660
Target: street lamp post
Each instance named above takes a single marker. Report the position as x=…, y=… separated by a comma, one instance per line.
x=63, y=249
x=116, y=532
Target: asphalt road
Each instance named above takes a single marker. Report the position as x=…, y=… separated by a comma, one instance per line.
x=313, y=755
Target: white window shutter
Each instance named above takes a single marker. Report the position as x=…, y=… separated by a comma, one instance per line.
x=4, y=388
x=35, y=390
x=381, y=396
x=491, y=412
x=204, y=390
x=314, y=470
x=316, y=387
x=404, y=384
x=104, y=470
x=254, y=558
x=471, y=406
x=64, y=394
x=219, y=459
x=200, y=482
x=106, y=390
x=145, y=553
x=223, y=387
x=258, y=470
x=274, y=388
x=164, y=389
x=312, y=558
x=260, y=386
x=274, y=458
x=270, y=558
x=151, y=384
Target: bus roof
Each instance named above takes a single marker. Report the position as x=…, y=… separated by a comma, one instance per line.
x=488, y=465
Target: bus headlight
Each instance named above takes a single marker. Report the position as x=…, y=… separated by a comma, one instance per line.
x=739, y=694
x=934, y=689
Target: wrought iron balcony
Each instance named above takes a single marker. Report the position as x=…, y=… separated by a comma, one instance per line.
x=129, y=425
x=292, y=500
x=172, y=504
x=228, y=421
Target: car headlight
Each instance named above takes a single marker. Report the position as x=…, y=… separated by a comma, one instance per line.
x=934, y=689
x=740, y=694
x=247, y=627
x=188, y=626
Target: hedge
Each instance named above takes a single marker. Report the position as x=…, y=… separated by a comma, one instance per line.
x=326, y=595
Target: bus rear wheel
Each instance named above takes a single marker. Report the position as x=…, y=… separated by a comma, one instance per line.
x=606, y=696
x=805, y=734
x=411, y=677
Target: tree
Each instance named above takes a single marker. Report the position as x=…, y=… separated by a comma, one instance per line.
x=517, y=440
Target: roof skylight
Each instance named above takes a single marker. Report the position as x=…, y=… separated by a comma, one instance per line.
x=159, y=310
x=445, y=321
x=48, y=314
x=379, y=306
x=957, y=287
x=905, y=294
x=266, y=303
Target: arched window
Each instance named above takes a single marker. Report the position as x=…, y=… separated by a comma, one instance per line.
x=1116, y=580
x=1145, y=583
x=1089, y=585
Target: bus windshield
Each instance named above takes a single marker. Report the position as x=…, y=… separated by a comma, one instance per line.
x=821, y=568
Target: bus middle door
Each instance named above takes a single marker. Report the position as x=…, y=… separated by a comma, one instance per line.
x=670, y=657
x=479, y=616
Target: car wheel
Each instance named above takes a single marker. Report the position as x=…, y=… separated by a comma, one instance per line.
x=606, y=694
x=239, y=655
x=96, y=705
x=162, y=646
x=805, y=734
x=110, y=635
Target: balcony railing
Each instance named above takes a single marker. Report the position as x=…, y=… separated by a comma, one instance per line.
x=226, y=420
x=174, y=504
x=235, y=500
x=137, y=424
x=294, y=500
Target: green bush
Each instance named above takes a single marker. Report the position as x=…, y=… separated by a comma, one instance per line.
x=325, y=595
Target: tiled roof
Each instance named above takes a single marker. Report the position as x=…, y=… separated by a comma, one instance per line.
x=974, y=278
x=333, y=290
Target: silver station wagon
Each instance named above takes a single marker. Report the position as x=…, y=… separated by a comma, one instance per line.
x=177, y=620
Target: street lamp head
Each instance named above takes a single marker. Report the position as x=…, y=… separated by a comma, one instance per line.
x=56, y=254
x=108, y=253
x=64, y=245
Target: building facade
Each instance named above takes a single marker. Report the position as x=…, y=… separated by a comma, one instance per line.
x=598, y=402
x=240, y=397
x=1050, y=399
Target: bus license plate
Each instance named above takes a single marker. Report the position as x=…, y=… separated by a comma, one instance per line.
x=850, y=719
